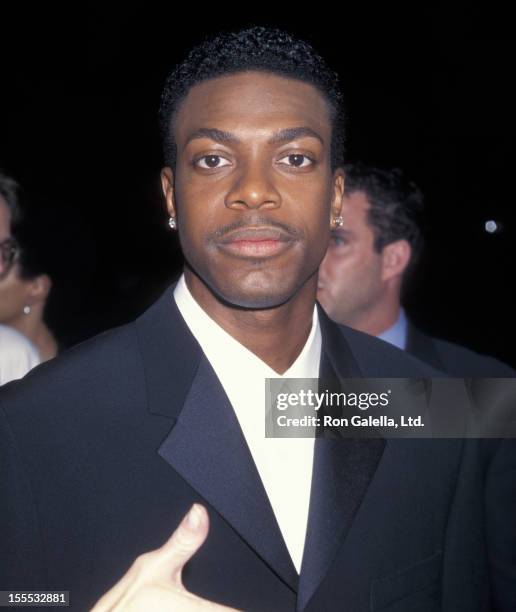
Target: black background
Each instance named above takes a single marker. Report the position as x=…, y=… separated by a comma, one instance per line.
x=429, y=91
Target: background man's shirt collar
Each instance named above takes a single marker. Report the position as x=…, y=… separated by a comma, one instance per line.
x=397, y=333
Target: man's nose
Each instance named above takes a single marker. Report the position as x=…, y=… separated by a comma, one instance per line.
x=253, y=188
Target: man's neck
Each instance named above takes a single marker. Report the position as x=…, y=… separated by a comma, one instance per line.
x=378, y=320
x=276, y=335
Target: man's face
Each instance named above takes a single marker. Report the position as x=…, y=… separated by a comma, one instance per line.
x=253, y=190
x=350, y=276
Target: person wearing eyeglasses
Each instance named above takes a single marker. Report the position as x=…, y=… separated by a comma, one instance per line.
x=24, y=289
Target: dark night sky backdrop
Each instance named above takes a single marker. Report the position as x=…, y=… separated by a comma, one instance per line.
x=425, y=92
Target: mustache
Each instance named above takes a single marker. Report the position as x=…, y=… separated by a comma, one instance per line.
x=294, y=232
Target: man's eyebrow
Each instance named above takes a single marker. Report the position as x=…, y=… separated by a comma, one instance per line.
x=346, y=233
x=281, y=136
x=212, y=134
x=289, y=134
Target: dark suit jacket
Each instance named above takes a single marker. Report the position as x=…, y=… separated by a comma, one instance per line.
x=453, y=359
x=104, y=449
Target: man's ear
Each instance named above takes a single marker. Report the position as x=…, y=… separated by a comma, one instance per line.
x=338, y=194
x=38, y=290
x=167, y=186
x=395, y=259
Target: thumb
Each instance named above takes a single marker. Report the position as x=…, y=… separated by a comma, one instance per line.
x=185, y=541
x=165, y=563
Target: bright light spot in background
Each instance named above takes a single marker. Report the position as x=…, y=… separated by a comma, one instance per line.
x=492, y=227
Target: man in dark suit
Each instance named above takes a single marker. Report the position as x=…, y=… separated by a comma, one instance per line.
x=452, y=358
x=370, y=260
x=104, y=449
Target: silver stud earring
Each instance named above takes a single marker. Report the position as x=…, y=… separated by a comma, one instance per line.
x=172, y=223
x=339, y=221
x=26, y=309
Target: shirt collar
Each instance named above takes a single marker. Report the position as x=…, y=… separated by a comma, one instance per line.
x=230, y=358
x=397, y=333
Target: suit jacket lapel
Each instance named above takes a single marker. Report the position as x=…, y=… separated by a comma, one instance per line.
x=170, y=355
x=342, y=472
x=206, y=445
x=208, y=449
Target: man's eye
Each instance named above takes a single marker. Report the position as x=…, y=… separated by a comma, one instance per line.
x=337, y=240
x=212, y=161
x=297, y=160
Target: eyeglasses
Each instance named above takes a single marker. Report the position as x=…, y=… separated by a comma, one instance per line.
x=9, y=249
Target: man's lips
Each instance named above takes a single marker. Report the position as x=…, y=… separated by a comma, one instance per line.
x=256, y=241
x=256, y=234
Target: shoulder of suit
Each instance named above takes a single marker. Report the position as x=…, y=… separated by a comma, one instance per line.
x=96, y=367
x=380, y=359
x=457, y=357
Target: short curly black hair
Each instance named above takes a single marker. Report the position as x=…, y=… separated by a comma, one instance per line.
x=256, y=48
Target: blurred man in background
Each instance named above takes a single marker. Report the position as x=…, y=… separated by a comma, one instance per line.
x=372, y=257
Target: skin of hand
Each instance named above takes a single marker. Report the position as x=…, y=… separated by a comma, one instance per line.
x=154, y=582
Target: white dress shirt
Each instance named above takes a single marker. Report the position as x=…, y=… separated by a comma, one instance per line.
x=17, y=355
x=284, y=464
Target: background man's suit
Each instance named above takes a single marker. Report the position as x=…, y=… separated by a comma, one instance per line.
x=454, y=359
x=105, y=449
